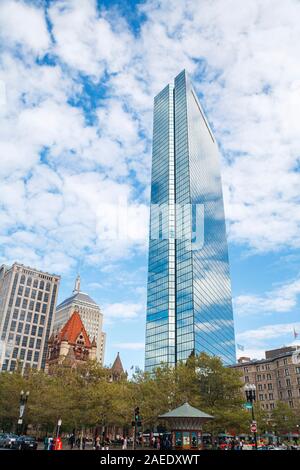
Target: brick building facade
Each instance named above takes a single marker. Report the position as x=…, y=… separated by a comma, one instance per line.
x=277, y=377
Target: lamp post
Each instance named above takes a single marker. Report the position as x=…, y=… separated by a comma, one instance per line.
x=58, y=427
x=250, y=390
x=22, y=405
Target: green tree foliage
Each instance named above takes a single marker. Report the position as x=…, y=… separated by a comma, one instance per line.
x=85, y=397
x=284, y=418
x=203, y=382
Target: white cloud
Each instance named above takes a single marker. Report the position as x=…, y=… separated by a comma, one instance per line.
x=248, y=61
x=281, y=299
x=267, y=332
x=24, y=25
x=87, y=42
x=257, y=341
x=122, y=311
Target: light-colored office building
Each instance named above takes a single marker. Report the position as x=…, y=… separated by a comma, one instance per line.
x=90, y=314
x=27, y=303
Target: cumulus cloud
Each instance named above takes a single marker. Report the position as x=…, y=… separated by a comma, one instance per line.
x=122, y=311
x=281, y=299
x=24, y=25
x=76, y=118
x=256, y=341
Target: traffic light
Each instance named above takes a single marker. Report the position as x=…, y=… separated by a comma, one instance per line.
x=137, y=417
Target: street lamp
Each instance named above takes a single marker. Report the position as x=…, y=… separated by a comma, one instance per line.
x=23, y=400
x=59, y=422
x=250, y=390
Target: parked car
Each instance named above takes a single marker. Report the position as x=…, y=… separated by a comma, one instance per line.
x=2, y=439
x=9, y=440
x=25, y=443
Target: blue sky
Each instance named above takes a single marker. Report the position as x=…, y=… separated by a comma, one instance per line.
x=77, y=80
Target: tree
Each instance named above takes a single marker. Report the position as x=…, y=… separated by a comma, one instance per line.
x=284, y=418
x=204, y=382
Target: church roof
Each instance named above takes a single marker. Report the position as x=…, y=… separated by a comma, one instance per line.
x=117, y=366
x=72, y=329
x=77, y=297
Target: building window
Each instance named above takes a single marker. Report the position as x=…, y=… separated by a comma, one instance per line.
x=27, y=328
x=287, y=372
x=290, y=394
x=288, y=382
x=297, y=370
x=259, y=377
x=285, y=361
x=22, y=354
x=291, y=404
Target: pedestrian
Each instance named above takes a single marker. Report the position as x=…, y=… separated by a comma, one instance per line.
x=50, y=442
x=124, y=443
x=71, y=441
x=83, y=442
x=97, y=443
x=78, y=442
x=107, y=443
x=46, y=443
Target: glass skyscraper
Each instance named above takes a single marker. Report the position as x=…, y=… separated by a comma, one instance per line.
x=189, y=305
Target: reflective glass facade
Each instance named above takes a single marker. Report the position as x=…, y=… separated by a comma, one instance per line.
x=189, y=304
